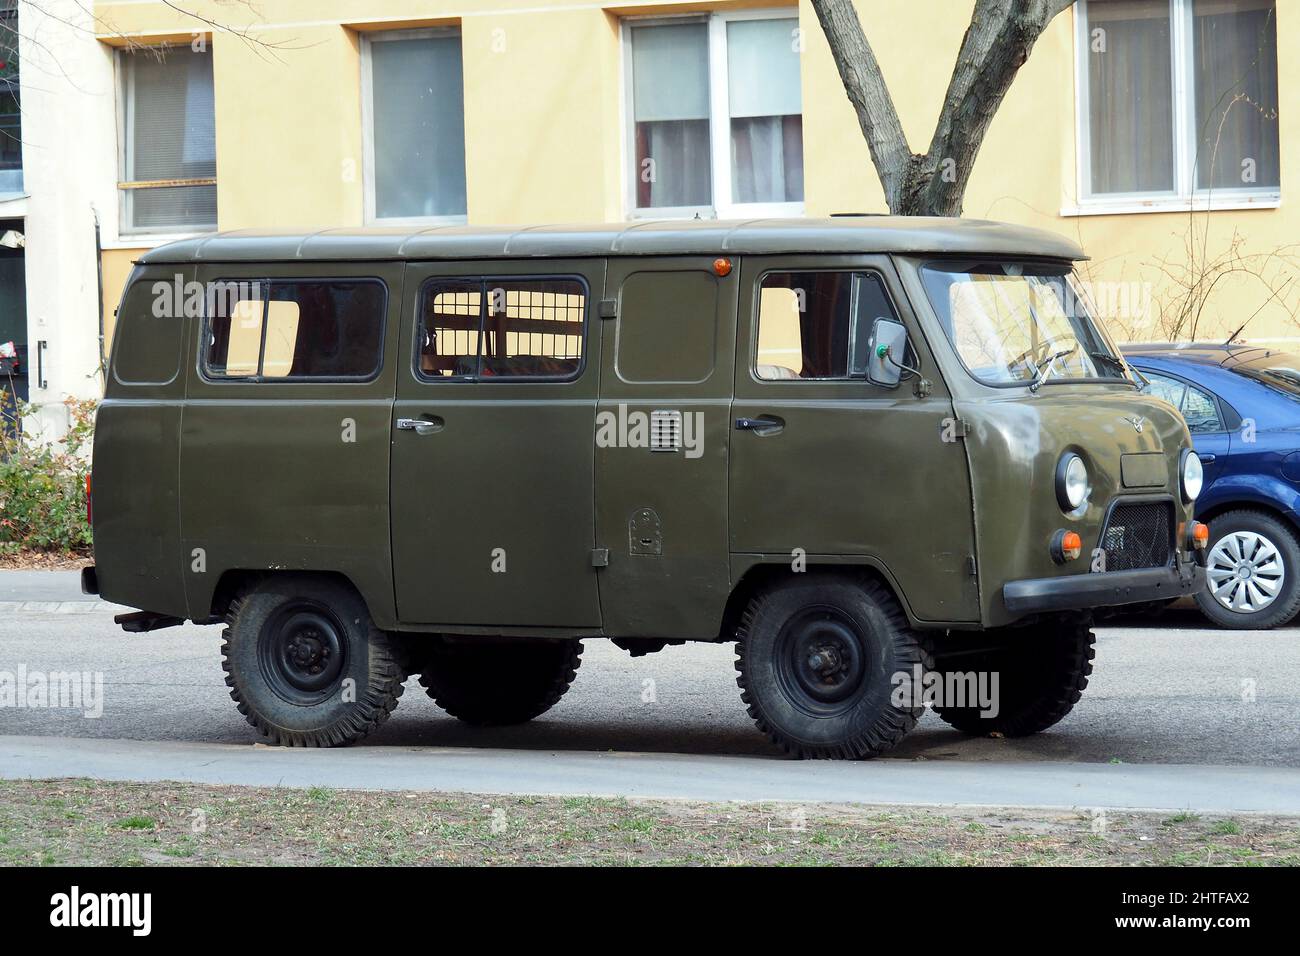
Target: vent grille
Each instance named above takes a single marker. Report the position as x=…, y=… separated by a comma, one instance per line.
x=665, y=430
x=1139, y=536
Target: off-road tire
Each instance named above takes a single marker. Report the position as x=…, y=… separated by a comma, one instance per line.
x=338, y=713
x=497, y=683
x=1286, y=605
x=785, y=625
x=1042, y=672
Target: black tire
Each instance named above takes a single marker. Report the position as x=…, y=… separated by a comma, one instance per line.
x=496, y=683
x=1042, y=672
x=1252, y=524
x=292, y=645
x=817, y=658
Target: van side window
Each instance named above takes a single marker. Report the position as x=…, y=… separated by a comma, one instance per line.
x=147, y=349
x=295, y=329
x=484, y=329
x=816, y=325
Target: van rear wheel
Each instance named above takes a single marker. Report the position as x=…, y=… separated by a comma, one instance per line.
x=492, y=683
x=306, y=665
x=1042, y=671
x=818, y=660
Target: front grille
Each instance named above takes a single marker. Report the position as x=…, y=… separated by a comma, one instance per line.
x=1139, y=536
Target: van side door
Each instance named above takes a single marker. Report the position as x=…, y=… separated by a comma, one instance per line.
x=662, y=434
x=492, y=453
x=828, y=466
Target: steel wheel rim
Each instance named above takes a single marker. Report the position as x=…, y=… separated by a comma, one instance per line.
x=822, y=661
x=1245, y=572
x=302, y=653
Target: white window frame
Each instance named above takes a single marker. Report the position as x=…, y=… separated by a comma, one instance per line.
x=130, y=235
x=368, y=39
x=719, y=121
x=1185, y=196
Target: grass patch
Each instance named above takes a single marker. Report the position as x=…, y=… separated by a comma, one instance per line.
x=70, y=822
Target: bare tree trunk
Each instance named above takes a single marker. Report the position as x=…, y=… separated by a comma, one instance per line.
x=996, y=45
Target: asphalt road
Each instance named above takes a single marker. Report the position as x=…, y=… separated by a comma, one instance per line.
x=1177, y=693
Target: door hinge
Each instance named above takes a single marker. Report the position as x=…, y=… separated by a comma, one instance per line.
x=971, y=566
x=609, y=308
x=922, y=388
x=600, y=557
x=953, y=429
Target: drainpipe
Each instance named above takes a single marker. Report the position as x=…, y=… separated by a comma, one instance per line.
x=99, y=276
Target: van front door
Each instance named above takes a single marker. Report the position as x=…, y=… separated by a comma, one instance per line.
x=827, y=467
x=492, y=445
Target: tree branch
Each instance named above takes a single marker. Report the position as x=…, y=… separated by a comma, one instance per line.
x=1001, y=35
x=869, y=94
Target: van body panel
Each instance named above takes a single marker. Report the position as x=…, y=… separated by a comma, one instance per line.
x=662, y=514
x=830, y=481
x=1015, y=446
x=136, y=447
x=289, y=475
x=492, y=514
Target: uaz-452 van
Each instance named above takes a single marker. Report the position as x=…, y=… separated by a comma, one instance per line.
x=877, y=454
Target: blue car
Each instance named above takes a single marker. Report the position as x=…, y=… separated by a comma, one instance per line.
x=1242, y=406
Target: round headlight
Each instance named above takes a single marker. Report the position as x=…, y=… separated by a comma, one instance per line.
x=1193, y=475
x=1071, y=482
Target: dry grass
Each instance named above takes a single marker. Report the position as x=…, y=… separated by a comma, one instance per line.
x=93, y=822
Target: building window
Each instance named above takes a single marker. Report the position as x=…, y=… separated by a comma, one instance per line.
x=415, y=126
x=715, y=114
x=169, y=141
x=1178, y=99
x=11, y=127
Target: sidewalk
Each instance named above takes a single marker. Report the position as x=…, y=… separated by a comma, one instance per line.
x=57, y=592
x=664, y=776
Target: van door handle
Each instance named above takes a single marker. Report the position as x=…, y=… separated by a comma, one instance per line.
x=764, y=425
x=421, y=426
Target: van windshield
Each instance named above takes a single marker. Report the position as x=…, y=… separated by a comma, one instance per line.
x=1020, y=323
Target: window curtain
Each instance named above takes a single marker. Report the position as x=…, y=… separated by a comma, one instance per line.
x=670, y=106
x=418, y=110
x=1235, y=62
x=172, y=130
x=1130, y=96
x=766, y=111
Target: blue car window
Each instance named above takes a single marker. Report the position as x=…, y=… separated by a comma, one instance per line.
x=1201, y=413
x=1170, y=389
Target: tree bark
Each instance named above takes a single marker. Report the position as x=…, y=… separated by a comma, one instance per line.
x=998, y=41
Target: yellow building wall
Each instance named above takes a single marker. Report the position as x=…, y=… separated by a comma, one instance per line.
x=545, y=142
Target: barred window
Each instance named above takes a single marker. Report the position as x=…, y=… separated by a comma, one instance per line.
x=476, y=329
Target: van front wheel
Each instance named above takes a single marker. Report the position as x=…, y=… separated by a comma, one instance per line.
x=306, y=665
x=492, y=683
x=819, y=663
x=1040, y=673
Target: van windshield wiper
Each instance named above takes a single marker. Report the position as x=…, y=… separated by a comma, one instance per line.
x=1118, y=364
x=1050, y=364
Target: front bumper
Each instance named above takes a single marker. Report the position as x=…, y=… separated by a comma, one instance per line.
x=1105, y=589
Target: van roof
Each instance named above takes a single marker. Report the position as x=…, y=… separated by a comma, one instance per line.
x=839, y=234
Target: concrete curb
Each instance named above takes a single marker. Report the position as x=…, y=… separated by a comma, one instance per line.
x=1049, y=785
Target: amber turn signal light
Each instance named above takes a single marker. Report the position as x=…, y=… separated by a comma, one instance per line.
x=722, y=266
x=1200, y=535
x=1066, y=546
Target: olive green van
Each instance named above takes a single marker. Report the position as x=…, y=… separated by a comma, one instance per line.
x=891, y=459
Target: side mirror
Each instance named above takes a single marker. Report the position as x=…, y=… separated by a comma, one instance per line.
x=886, y=353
